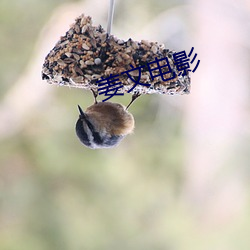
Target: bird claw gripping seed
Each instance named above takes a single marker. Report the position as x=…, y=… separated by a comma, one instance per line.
x=87, y=55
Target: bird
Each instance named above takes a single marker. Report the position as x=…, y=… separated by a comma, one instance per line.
x=104, y=124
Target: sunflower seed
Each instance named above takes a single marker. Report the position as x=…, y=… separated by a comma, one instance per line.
x=85, y=46
x=88, y=62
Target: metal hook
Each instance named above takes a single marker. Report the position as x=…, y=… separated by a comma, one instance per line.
x=110, y=15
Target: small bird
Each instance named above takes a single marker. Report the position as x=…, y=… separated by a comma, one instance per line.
x=104, y=124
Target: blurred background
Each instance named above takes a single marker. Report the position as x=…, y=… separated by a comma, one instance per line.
x=180, y=182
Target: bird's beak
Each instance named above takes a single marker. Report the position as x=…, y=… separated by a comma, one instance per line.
x=82, y=115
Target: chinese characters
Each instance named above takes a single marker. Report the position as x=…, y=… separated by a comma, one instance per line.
x=111, y=85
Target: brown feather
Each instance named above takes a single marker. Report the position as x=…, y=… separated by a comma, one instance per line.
x=111, y=117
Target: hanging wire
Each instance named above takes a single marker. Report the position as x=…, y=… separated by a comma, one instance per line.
x=110, y=15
